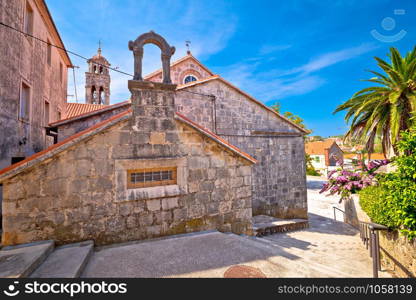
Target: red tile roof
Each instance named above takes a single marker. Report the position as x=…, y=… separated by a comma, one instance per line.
x=318, y=147
x=79, y=111
x=61, y=144
x=373, y=156
x=76, y=109
x=6, y=172
x=352, y=156
x=377, y=156
x=216, y=138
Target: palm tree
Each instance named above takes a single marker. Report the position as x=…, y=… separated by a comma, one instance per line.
x=386, y=109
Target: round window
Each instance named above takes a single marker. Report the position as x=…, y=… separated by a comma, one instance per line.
x=189, y=79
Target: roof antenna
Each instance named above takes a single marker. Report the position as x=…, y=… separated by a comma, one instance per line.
x=99, y=47
x=188, y=45
x=75, y=82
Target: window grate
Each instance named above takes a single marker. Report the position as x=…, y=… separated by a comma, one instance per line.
x=151, y=177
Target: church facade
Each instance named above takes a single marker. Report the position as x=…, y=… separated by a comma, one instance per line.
x=188, y=152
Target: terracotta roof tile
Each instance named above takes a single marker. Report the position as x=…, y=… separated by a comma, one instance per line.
x=352, y=156
x=80, y=110
x=4, y=172
x=377, y=156
x=62, y=143
x=76, y=109
x=373, y=156
x=318, y=147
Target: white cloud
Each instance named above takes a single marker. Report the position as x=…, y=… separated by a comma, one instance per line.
x=274, y=84
x=178, y=21
x=247, y=77
x=268, y=49
x=331, y=58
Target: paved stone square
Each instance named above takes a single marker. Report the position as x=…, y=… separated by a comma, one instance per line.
x=327, y=249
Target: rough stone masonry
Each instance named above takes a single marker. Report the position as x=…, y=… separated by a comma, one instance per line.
x=78, y=189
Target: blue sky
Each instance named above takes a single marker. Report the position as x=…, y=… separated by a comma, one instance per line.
x=308, y=55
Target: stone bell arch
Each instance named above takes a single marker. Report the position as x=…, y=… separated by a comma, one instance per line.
x=137, y=48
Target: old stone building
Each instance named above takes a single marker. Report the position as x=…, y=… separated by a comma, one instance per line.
x=279, y=185
x=97, y=80
x=184, y=70
x=325, y=155
x=145, y=172
x=225, y=155
x=33, y=79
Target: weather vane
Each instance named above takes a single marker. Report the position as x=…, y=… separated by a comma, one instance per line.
x=188, y=45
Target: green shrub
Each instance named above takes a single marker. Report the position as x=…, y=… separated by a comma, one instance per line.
x=393, y=201
x=312, y=172
x=372, y=201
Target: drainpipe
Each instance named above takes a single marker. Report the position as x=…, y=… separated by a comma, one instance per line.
x=214, y=112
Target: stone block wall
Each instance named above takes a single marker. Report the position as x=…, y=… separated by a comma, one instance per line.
x=398, y=254
x=81, y=193
x=68, y=129
x=23, y=59
x=333, y=154
x=278, y=184
x=180, y=70
x=279, y=177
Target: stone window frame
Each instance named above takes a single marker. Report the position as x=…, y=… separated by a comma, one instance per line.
x=29, y=19
x=134, y=185
x=123, y=193
x=186, y=72
x=189, y=75
x=49, y=52
x=61, y=72
x=27, y=116
x=46, y=112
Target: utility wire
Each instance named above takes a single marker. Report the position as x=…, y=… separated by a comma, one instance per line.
x=84, y=58
x=63, y=49
x=201, y=94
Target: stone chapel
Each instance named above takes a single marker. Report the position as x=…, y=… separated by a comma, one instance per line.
x=188, y=152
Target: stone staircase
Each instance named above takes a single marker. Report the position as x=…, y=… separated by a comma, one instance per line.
x=266, y=225
x=43, y=260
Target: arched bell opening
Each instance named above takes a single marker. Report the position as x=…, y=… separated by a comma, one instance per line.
x=137, y=48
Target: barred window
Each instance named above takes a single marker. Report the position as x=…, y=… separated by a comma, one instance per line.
x=151, y=177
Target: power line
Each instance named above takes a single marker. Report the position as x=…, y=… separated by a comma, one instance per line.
x=85, y=58
x=63, y=49
x=201, y=94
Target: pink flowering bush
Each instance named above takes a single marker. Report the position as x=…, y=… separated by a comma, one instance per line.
x=347, y=182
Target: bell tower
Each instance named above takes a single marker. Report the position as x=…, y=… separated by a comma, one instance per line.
x=97, y=80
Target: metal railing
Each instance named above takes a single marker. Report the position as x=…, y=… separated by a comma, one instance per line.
x=369, y=234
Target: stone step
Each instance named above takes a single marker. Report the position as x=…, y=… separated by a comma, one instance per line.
x=66, y=261
x=266, y=225
x=21, y=260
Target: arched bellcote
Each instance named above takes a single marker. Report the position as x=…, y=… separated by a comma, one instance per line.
x=137, y=48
